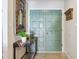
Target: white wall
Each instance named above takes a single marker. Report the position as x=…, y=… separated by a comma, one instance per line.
x=70, y=35
x=5, y=29
x=46, y=4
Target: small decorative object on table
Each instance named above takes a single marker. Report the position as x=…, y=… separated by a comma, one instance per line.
x=69, y=14
x=23, y=35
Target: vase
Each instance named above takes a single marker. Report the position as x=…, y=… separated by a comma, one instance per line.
x=23, y=39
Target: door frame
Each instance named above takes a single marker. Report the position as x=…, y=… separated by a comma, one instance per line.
x=62, y=29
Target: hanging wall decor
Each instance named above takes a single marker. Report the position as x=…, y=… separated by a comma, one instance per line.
x=69, y=14
x=20, y=15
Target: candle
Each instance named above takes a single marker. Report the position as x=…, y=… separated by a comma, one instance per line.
x=20, y=18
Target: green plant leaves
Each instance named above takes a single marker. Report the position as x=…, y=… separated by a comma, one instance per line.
x=22, y=34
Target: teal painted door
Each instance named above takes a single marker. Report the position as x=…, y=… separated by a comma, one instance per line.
x=47, y=25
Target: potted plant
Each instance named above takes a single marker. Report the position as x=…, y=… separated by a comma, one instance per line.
x=23, y=35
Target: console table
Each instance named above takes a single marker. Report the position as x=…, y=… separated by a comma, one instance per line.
x=31, y=47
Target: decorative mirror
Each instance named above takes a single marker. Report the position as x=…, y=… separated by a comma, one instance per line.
x=20, y=15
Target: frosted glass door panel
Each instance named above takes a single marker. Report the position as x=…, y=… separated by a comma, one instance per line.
x=47, y=25
x=37, y=25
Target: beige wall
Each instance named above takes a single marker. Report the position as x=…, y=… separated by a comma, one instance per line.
x=70, y=36
x=10, y=29
x=20, y=52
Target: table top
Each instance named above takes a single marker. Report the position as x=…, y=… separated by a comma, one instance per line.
x=19, y=43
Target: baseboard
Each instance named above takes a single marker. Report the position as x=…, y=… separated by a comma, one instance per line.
x=67, y=54
x=49, y=51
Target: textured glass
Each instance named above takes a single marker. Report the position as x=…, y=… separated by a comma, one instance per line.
x=47, y=25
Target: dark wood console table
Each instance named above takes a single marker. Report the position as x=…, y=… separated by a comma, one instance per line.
x=32, y=46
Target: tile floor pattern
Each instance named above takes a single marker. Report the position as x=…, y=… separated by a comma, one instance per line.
x=50, y=56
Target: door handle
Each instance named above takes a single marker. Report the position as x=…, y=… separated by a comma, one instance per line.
x=46, y=32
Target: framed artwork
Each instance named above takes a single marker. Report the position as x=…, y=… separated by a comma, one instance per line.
x=20, y=15
x=69, y=14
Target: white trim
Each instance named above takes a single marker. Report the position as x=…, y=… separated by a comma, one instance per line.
x=67, y=55
x=62, y=22
x=4, y=42
x=49, y=51
x=62, y=30
x=48, y=9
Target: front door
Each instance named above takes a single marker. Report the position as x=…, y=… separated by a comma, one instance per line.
x=47, y=25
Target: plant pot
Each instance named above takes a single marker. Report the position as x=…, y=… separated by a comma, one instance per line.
x=23, y=39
